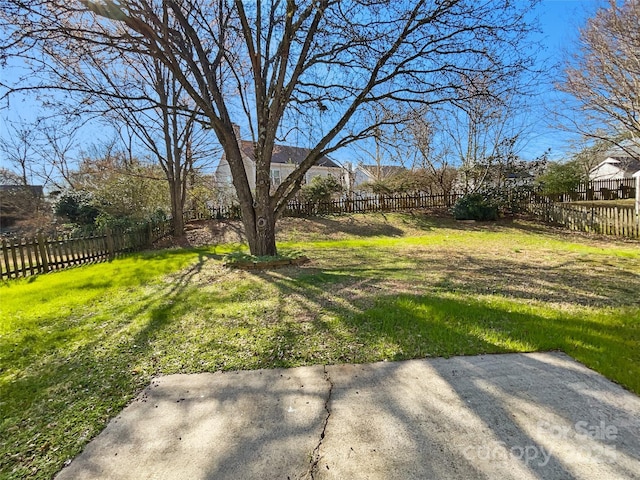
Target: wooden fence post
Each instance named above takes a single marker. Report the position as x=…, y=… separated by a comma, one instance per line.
x=42, y=247
x=5, y=255
x=109, y=242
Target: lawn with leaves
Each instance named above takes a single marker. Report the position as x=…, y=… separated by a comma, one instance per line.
x=76, y=346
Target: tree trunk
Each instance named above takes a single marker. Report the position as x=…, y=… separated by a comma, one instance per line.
x=177, y=208
x=260, y=228
x=260, y=223
x=258, y=211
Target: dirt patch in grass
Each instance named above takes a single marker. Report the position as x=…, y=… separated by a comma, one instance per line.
x=206, y=232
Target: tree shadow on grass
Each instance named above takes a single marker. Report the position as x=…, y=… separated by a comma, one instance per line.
x=401, y=327
x=573, y=281
x=340, y=318
x=363, y=311
x=70, y=379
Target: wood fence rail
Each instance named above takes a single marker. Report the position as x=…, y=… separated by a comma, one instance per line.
x=615, y=221
x=372, y=204
x=29, y=256
x=599, y=190
x=377, y=203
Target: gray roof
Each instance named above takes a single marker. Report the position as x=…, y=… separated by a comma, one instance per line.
x=37, y=190
x=286, y=154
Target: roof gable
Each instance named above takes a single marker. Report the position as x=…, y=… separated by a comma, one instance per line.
x=625, y=164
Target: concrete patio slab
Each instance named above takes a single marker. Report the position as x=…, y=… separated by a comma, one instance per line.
x=513, y=416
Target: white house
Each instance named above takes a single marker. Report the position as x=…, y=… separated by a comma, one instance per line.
x=284, y=160
x=615, y=168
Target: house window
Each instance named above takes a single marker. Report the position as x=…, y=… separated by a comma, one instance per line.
x=275, y=178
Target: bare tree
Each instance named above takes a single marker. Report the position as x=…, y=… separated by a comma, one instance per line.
x=435, y=158
x=137, y=96
x=604, y=73
x=485, y=124
x=42, y=151
x=276, y=62
x=58, y=151
x=167, y=125
x=18, y=148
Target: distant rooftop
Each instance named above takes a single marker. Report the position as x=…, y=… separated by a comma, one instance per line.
x=284, y=154
x=37, y=190
x=626, y=163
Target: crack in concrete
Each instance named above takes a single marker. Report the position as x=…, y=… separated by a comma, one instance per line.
x=315, y=454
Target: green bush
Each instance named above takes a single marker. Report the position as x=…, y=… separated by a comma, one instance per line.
x=510, y=200
x=475, y=206
x=561, y=178
x=320, y=189
x=128, y=223
x=78, y=207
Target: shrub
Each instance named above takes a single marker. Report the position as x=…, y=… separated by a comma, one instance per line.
x=320, y=189
x=561, y=178
x=510, y=200
x=128, y=223
x=78, y=207
x=475, y=206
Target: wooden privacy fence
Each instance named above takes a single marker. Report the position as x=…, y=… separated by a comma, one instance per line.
x=599, y=190
x=616, y=221
x=29, y=256
x=376, y=203
x=231, y=212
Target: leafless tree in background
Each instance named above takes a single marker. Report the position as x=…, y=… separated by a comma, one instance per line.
x=435, y=158
x=604, y=74
x=18, y=146
x=485, y=124
x=40, y=152
x=167, y=125
x=139, y=97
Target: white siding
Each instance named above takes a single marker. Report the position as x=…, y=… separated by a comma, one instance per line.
x=361, y=177
x=608, y=170
x=223, y=172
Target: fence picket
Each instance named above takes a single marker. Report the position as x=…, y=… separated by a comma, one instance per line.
x=4, y=268
x=14, y=258
x=30, y=256
x=615, y=221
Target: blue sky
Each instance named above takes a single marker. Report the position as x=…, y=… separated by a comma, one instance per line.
x=559, y=21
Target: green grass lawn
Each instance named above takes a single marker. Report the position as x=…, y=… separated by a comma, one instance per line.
x=77, y=345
